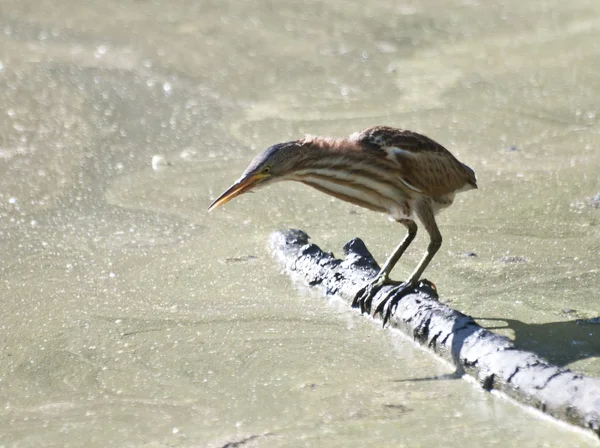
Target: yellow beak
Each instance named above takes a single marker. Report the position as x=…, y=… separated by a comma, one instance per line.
x=241, y=186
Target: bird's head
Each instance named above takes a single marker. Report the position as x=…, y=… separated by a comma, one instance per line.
x=269, y=166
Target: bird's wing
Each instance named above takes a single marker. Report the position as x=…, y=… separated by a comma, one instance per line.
x=424, y=165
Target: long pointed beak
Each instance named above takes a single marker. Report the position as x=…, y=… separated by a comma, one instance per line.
x=241, y=186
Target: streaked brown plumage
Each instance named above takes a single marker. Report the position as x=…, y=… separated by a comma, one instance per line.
x=402, y=173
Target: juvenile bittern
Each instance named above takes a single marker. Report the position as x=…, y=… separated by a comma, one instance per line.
x=394, y=171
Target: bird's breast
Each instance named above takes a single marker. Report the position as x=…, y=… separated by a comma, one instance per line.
x=378, y=194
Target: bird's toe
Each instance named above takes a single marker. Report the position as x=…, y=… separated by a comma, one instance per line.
x=388, y=305
x=364, y=297
x=358, y=296
x=428, y=288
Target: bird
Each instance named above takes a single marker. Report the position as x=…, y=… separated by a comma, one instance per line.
x=395, y=171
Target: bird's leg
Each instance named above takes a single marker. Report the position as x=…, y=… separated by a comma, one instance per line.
x=364, y=296
x=425, y=214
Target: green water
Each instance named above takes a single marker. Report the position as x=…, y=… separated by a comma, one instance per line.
x=131, y=316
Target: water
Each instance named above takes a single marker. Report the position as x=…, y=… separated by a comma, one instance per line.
x=131, y=316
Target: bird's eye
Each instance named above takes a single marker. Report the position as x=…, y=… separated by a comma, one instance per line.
x=266, y=170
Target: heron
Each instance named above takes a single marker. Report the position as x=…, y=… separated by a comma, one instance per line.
x=399, y=172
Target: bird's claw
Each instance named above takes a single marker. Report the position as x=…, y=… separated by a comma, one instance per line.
x=388, y=305
x=364, y=297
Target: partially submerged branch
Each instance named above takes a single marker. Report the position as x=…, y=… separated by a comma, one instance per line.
x=491, y=359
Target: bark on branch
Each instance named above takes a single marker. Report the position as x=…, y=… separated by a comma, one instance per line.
x=491, y=359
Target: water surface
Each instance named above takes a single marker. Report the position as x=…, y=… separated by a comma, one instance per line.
x=131, y=316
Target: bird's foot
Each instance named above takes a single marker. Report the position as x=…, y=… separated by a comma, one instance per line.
x=388, y=305
x=364, y=297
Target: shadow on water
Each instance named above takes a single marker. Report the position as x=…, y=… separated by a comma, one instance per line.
x=456, y=375
x=457, y=343
x=560, y=343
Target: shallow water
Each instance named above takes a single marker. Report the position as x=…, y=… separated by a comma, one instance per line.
x=131, y=316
